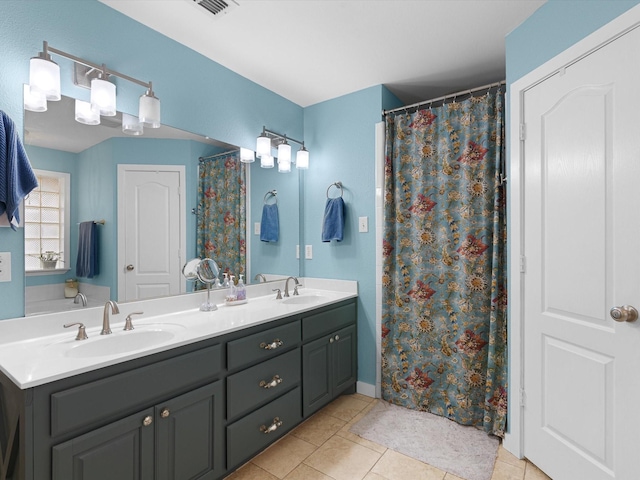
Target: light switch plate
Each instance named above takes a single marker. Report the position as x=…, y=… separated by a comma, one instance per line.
x=363, y=224
x=5, y=266
x=297, y=251
x=256, y=228
x=308, y=252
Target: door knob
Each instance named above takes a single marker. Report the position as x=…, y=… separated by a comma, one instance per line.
x=129, y=267
x=626, y=313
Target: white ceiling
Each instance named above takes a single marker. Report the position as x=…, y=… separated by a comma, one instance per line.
x=309, y=51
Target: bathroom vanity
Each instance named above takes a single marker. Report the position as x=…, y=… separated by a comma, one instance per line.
x=225, y=386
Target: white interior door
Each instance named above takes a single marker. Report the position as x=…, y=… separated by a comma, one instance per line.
x=581, y=246
x=150, y=225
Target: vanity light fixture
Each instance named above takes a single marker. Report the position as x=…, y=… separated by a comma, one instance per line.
x=34, y=101
x=44, y=79
x=131, y=125
x=269, y=140
x=87, y=113
x=247, y=156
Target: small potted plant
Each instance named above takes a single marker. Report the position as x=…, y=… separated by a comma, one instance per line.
x=49, y=259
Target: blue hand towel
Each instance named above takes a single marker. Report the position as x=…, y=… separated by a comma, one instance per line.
x=270, y=225
x=333, y=221
x=16, y=176
x=87, y=262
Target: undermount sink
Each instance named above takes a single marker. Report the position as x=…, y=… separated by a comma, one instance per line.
x=305, y=300
x=123, y=341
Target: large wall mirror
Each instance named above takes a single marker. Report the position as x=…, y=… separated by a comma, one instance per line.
x=102, y=172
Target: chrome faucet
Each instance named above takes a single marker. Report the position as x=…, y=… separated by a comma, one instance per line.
x=106, y=329
x=261, y=277
x=286, y=286
x=80, y=296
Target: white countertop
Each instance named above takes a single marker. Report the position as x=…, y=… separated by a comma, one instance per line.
x=38, y=350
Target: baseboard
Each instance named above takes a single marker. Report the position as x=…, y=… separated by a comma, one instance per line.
x=366, y=389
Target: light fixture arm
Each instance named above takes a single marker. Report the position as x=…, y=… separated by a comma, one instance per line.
x=46, y=54
x=282, y=137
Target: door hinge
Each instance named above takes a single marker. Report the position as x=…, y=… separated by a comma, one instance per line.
x=523, y=264
x=523, y=397
x=523, y=132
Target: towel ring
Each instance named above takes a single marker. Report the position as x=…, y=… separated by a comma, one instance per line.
x=338, y=185
x=274, y=194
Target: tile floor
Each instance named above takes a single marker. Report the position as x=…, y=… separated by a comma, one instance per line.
x=322, y=448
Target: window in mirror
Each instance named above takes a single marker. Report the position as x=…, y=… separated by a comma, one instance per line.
x=46, y=223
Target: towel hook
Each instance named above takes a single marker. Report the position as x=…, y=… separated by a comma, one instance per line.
x=273, y=193
x=338, y=185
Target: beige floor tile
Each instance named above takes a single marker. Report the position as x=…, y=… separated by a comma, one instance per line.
x=364, y=398
x=506, y=471
x=345, y=433
x=281, y=458
x=250, y=472
x=305, y=472
x=508, y=457
x=345, y=407
x=374, y=476
x=396, y=466
x=451, y=476
x=319, y=428
x=534, y=473
x=342, y=459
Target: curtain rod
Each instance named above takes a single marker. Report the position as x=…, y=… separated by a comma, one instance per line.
x=445, y=97
x=217, y=155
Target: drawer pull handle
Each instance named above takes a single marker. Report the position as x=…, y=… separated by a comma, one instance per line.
x=273, y=345
x=148, y=420
x=273, y=427
x=164, y=413
x=275, y=381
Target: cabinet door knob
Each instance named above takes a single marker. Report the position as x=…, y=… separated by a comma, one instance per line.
x=271, y=428
x=148, y=420
x=275, y=381
x=164, y=413
x=331, y=340
x=337, y=337
x=273, y=345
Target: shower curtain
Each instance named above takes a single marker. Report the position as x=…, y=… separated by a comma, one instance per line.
x=444, y=336
x=221, y=225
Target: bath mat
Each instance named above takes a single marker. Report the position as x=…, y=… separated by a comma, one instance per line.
x=466, y=452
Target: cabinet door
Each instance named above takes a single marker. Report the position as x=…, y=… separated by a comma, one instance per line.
x=316, y=375
x=122, y=450
x=190, y=435
x=343, y=359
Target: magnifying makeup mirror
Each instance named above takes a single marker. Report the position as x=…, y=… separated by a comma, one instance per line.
x=207, y=271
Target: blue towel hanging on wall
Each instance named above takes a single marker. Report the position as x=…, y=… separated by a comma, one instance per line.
x=17, y=179
x=333, y=221
x=269, y=225
x=87, y=262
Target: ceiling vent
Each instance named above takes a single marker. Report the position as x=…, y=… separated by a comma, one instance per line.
x=218, y=8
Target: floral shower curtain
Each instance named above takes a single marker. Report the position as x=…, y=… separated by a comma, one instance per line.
x=221, y=225
x=444, y=339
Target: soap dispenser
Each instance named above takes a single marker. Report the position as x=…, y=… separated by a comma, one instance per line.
x=241, y=290
x=233, y=292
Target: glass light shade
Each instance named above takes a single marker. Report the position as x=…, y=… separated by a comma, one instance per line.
x=87, y=113
x=34, y=102
x=149, y=110
x=266, y=161
x=302, y=159
x=131, y=125
x=263, y=146
x=283, y=166
x=44, y=78
x=284, y=153
x=246, y=155
x=103, y=96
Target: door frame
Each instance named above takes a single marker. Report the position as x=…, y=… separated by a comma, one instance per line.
x=514, y=438
x=122, y=170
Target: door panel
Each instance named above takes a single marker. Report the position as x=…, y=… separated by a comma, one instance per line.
x=582, y=227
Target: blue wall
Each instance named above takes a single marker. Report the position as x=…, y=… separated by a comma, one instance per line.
x=197, y=95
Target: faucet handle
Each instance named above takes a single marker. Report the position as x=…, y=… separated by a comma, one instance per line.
x=127, y=323
x=295, y=289
x=82, y=333
x=279, y=295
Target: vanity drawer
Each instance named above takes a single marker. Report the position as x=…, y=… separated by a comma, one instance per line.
x=244, y=389
x=128, y=392
x=262, y=345
x=246, y=437
x=328, y=321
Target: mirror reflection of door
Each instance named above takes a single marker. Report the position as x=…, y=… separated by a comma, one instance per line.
x=150, y=222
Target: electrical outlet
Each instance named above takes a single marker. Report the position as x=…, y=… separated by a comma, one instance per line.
x=256, y=228
x=363, y=224
x=308, y=252
x=5, y=266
